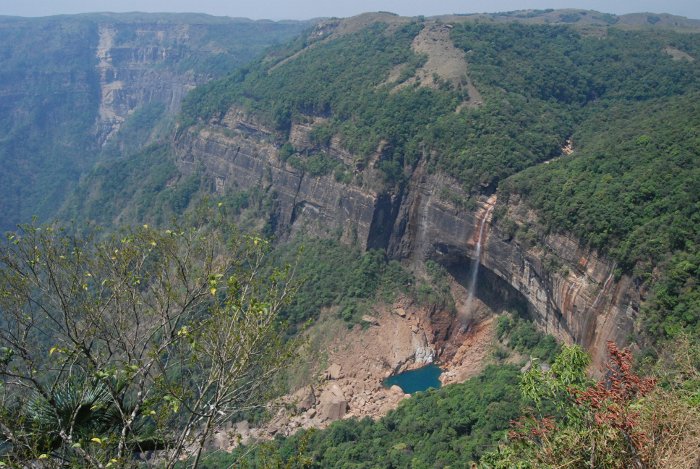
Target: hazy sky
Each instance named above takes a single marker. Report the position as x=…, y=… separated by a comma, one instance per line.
x=304, y=9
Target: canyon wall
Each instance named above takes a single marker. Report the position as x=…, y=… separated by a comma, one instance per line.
x=571, y=291
x=135, y=68
x=159, y=58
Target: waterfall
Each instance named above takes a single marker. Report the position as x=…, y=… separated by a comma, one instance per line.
x=476, y=261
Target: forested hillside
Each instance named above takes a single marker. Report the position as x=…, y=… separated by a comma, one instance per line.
x=625, y=98
x=593, y=128
x=49, y=103
x=535, y=81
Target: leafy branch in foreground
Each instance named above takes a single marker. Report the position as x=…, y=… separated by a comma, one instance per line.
x=141, y=341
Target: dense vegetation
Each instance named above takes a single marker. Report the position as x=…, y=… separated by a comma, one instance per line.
x=47, y=112
x=522, y=336
x=624, y=420
x=449, y=426
x=505, y=419
x=631, y=188
x=134, y=187
x=440, y=427
x=351, y=282
x=345, y=80
x=142, y=339
x=341, y=276
x=632, y=191
x=535, y=79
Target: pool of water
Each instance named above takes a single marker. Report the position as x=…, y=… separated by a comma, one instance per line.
x=416, y=380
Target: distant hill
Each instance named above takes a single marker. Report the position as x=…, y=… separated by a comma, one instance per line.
x=68, y=82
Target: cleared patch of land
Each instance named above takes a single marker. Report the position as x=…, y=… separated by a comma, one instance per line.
x=678, y=54
x=445, y=64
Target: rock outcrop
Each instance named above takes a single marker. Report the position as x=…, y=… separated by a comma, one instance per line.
x=140, y=70
x=240, y=153
x=352, y=386
x=151, y=59
x=333, y=404
x=581, y=300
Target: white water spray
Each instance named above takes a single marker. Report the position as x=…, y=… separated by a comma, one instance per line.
x=476, y=261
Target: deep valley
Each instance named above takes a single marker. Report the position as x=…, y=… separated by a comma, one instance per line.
x=511, y=196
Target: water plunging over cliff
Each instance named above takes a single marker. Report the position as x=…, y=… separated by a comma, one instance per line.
x=477, y=260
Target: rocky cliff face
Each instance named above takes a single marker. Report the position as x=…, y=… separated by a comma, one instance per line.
x=571, y=291
x=159, y=58
x=240, y=153
x=135, y=67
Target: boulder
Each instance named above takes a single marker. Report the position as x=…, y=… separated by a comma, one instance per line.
x=333, y=371
x=242, y=427
x=219, y=440
x=370, y=319
x=304, y=398
x=333, y=405
x=401, y=312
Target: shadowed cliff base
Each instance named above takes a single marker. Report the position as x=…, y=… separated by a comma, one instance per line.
x=492, y=292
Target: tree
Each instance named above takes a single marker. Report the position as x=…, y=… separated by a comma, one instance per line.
x=622, y=421
x=146, y=340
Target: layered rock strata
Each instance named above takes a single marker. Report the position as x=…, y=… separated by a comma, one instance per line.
x=137, y=72
x=571, y=291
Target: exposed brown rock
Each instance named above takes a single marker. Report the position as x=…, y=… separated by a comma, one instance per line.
x=370, y=320
x=334, y=371
x=304, y=398
x=332, y=403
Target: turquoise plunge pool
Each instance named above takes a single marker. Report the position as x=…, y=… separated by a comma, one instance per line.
x=420, y=379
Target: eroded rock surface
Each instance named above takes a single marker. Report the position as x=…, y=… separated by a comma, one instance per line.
x=580, y=301
x=362, y=358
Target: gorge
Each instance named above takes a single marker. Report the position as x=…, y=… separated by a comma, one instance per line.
x=474, y=192
x=69, y=83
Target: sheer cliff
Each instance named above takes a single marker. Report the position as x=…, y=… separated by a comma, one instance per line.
x=579, y=300
x=406, y=135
